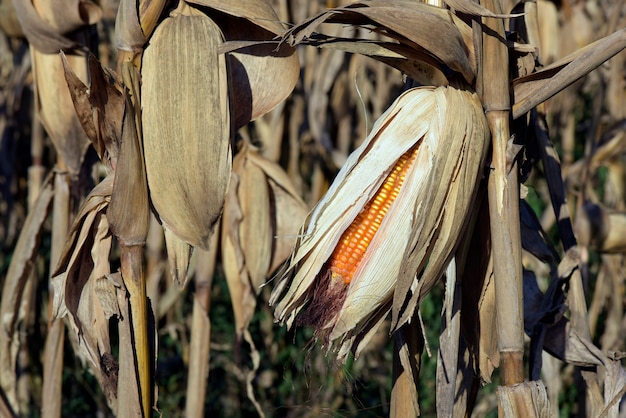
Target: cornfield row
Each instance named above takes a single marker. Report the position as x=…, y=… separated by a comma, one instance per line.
x=297, y=208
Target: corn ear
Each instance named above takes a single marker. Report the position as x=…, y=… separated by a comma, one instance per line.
x=186, y=124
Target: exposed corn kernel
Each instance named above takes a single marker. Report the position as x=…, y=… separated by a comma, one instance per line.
x=355, y=240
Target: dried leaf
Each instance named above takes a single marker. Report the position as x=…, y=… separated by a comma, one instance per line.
x=253, y=69
x=99, y=107
x=475, y=9
x=81, y=290
x=259, y=12
x=396, y=19
x=178, y=256
x=129, y=210
x=129, y=35
x=602, y=229
x=56, y=108
x=22, y=265
x=536, y=88
x=42, y=35
x=9, y=23
x=67, y=16
x=449, y=345
x=186, y=125
x=261, y=204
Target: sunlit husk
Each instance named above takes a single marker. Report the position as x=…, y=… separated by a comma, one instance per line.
x=186, y=124
x=56, y=109
x=447, y=125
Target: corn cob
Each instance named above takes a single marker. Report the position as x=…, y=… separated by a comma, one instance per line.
x=355, y=240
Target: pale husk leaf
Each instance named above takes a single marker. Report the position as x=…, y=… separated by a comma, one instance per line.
x=444, y=209
x=260, y=206
x=66, y=16
x=22, y=265
x=129, y=211
x=178, y=256
x=56, y=108
x=253, y=69
x=41, y=33
x=186, y=124
x=128, y=33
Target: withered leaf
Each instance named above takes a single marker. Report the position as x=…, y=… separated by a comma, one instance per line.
x=99, y=107
x=49, y=38
x=259, y=12
x=22, y=264
x=254, y=68
x=533, y=89
x=396, y=19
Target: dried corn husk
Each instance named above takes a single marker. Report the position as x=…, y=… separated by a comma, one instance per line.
x=186, y=124
x=421, y=229
x=261, y=219
x=82, y=291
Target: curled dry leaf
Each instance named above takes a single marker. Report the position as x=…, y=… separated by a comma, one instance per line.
x=66, y=16
x=396, y=210
x=129, y=211
x=100, y=109
x=533, y=89
x=54, y=32
x=254, y=69
x=20, y=269
x=259, y=12
x=81, y=289
x=262, y=215
x=451, y=50
x=186, y=124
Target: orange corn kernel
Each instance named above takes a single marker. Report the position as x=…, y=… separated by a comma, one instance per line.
x=355, y=240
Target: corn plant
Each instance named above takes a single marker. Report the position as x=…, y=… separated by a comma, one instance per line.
x=183, y=167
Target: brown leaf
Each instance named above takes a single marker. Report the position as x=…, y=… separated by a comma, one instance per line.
x=254, y=68
x=41, y=34
x=82, y=291
x=129, y=211
x=22, y=265
x=396, y=19
x=128, y=33
x=533, y=89
x=56, y=108
x=9, y=23
x=262, y=214
x=99, y=107
x=178, y=256
x=259, y=12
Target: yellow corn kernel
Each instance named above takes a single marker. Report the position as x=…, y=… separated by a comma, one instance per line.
x=355, y=240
